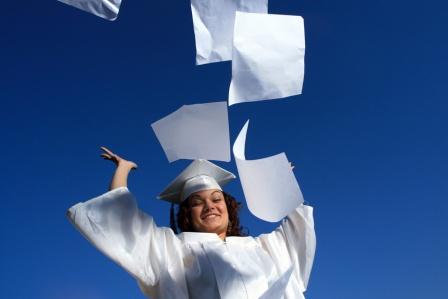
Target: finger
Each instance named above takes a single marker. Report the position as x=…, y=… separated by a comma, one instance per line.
x=107, y=151
x=106, y=156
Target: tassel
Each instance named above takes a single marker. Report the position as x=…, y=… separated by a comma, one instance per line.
x=172, y=219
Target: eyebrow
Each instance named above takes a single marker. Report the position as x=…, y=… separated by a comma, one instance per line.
x=195, y=197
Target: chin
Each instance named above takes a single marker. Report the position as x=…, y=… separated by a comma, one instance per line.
x=211, y=228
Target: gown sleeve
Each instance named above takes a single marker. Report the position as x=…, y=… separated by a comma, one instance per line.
x=113, y=223
x=293, y=243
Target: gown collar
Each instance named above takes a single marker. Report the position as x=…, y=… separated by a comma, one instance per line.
x=194, y=237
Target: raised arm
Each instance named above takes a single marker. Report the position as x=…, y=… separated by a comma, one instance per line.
x=293, y=243
x=120, y=177
x=115, y=225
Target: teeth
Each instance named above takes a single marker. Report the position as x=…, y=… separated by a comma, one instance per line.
x=210, y=216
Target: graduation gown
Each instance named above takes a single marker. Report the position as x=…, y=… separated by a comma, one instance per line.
x=196, y=265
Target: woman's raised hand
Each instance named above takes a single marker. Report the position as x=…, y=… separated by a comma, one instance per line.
x=119, y=161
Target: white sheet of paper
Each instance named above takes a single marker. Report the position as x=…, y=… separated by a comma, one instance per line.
x=269, y=185
x=213, y=26
x=106, y=9
x=199, y=131
x=268, y=57
x=277, y=290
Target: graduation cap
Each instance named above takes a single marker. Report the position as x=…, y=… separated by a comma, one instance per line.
x=199, y=175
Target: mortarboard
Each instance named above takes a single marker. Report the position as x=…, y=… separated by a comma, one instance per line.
x=199, y=175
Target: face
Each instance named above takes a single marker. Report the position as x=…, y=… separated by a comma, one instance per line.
x=209, y=212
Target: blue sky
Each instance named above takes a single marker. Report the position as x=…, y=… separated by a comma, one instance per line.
x=368, y=138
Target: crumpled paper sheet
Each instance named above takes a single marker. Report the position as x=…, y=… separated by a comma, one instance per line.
x=106, y=9
x=199, y=131
x=268, y=57
x=269, y=185
x=213, y=26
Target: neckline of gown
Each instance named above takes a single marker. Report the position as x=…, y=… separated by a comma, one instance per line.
x=193, y=237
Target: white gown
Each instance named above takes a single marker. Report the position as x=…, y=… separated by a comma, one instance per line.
x=196, y=265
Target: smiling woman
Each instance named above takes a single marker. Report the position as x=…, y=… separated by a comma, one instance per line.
x=221, y=204
x=210, y=258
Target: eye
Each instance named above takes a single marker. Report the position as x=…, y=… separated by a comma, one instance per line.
x=217, y=199
x=196, y=202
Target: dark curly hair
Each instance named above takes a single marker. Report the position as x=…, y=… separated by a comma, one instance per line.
x=185, y=224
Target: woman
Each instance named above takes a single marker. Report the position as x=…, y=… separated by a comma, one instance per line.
x=204, y=261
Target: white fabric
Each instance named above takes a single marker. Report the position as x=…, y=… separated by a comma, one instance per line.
x=277, y=290
x=199, y=183
x=213, y=26
x=268, y=57
x=196, y=265
x=106, y=9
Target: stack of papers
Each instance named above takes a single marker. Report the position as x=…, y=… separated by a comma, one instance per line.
x=267, y=53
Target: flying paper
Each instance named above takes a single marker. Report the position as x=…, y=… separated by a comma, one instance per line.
x=269, y=185
x=277, y=290
x=213, y=26
x=198, y=131
x=106, y=9
x=268, y=57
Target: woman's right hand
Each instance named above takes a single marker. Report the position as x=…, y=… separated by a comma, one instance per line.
x=119, y=161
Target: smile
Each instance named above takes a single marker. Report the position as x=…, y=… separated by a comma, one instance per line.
x=209, y=216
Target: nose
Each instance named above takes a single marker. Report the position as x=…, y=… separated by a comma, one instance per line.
x=209, y=205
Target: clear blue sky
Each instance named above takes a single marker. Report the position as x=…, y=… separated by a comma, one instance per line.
x=368, y=138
